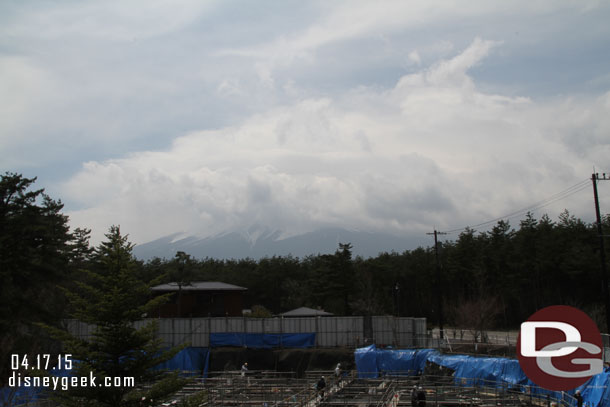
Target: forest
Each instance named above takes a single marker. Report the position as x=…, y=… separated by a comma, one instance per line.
x=496, y=278
x=502, y=274
x=484, y=280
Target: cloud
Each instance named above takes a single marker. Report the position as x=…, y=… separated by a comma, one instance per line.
x=414, y=57
x=82, y=81
x=434, y=150
x=455, y=70
x=356, y=20
x=85, y=81
x=21, y=81
x=113, y=20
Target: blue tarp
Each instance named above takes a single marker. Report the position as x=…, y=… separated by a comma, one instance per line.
x=596, y=392
x=192, y=360
x=263, y=341
x=491, y=370
x=372, y=362
x=366, y=362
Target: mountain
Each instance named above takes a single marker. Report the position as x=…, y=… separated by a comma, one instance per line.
x=264, y=243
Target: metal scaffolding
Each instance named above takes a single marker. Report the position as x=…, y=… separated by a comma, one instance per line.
x=284, y=389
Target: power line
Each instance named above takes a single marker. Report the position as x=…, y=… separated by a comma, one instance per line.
x=584, y=184
x=537, y=205
x=602, y=252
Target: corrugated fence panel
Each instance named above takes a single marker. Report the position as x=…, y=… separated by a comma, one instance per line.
x=383, y=330
x=246, y=325
x=236, y=325
x=358, y=331
x=185, y=331
x=299, y=325
x=330, y=331
x=227, y=324
x=272, y=325
x=349, y=331
x=254, y=326
x=325, y=331
x=165, y=331
x=200, y=335
x=421, y=332
x=343, y=332
x=218, y=325
x=340, y=331
x=405, y=331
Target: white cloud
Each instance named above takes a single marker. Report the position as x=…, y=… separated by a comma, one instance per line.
x=353, y=20
x=454, y=70
x=434, y=150
x=112, y=20
x=414, y=57
x=83, y=81
x=371, y=115
x=21, y=80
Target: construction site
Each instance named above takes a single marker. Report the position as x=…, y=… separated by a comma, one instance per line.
x=269, y=388
x=368, y=376
x=364, y=377
x=382, y=377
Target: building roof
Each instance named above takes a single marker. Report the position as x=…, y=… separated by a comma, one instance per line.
x=306, y=312
x=199, y=286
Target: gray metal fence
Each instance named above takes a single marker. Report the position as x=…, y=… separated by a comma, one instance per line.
x=330, y=331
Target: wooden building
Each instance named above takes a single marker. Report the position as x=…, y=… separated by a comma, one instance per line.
x=200, y=299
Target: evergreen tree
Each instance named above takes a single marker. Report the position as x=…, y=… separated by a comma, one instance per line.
x=509, y=272
x=111, y=298
x=182, y=274
x=344, y=269
x=34, y=257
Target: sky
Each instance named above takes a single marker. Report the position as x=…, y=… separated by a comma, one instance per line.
x=204, y=117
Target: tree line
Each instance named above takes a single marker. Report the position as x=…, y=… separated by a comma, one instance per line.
x=505, y=274
x=487, y=279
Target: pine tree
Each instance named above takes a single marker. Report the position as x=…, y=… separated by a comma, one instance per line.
x=181, y=273
x=34, y=257
x=112, y=298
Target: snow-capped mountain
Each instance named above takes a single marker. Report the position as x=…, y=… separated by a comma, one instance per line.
x=257, y=242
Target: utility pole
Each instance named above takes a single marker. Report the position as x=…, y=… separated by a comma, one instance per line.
x=439, y=283
x=602, y=251
x=397, y=295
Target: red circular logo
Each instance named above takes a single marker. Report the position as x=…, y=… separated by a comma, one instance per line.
x=560, y=348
